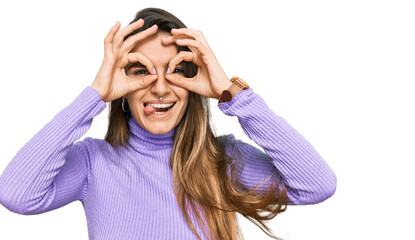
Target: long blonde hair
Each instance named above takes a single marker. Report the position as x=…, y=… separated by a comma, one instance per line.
x=204, y=176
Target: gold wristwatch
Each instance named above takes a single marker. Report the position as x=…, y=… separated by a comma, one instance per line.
x=237, y=85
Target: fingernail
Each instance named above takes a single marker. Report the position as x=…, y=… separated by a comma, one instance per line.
x=174, y=29
x=168, y=70
x=116, y=23
x=179, y=40
x=154, y=25
x=163, y=38
x=154, y=70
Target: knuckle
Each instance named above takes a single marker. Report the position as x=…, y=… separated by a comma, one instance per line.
x=183, y=53
x=116, y=38
x=107, y=40
x=141, y=83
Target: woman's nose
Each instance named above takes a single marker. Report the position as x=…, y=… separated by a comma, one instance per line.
x=160, y=87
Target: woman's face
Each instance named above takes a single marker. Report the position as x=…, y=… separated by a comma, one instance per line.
x=153, y=51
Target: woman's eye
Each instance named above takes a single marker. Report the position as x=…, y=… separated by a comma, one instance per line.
x=178, y=70
x=140, y=72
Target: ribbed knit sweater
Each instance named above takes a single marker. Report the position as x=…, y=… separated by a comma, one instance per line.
x=128, y=193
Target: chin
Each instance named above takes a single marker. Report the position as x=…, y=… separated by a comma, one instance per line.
x=158, y=128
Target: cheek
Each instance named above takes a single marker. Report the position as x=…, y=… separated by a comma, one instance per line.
x=137, y=98
x=185, y=98
x=183, y=94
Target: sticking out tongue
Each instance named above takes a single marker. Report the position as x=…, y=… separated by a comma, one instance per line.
x=149, y=109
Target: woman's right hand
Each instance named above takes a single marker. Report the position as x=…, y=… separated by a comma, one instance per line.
x=111, y=81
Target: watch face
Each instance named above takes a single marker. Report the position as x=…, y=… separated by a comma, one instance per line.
x=226, y=96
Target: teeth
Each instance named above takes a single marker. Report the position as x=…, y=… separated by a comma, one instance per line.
x=157, y=105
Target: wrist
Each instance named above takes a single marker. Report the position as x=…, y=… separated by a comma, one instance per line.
x=224, y=86
x=237, y=85
x=94, y=86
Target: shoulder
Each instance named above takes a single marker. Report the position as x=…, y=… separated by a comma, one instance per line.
x=93, y=146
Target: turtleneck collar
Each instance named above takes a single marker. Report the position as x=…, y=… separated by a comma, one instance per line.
x=140, y=138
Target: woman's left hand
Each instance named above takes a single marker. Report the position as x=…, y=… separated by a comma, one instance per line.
x=210, y=80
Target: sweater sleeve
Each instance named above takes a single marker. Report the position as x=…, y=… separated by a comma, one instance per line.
x=50, y=170
x=307, y=176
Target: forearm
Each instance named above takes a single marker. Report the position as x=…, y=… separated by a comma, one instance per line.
x=305, y=173
x=26, y=182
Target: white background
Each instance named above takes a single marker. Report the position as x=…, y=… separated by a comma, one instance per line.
x=340, y=72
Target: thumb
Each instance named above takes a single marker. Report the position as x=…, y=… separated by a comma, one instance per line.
x=146, y=81
x=181, y=81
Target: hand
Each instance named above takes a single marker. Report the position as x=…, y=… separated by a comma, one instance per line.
x=210, y=80
x=111, y=81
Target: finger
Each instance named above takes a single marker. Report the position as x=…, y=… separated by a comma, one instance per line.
x=179, y=80
x=108, y=39
x=172, y=39
x=177, y=59
x=194, y=44
x=139, y=57
x=133, y=40
x=196, y=34
x=120, y=35
x=134, y=85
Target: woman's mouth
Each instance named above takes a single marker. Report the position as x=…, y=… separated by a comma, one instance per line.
x=158, y=108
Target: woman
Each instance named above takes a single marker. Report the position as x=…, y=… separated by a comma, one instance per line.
x=160, y=172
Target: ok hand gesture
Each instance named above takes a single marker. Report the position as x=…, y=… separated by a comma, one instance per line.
x=111, y=81
x=210, y=79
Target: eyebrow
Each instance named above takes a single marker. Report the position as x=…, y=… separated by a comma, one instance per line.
x=135, y=64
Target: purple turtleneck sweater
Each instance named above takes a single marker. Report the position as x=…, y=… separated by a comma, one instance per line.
x=128, y=193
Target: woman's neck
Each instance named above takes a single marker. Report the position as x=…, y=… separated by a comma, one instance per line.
x=140, y=138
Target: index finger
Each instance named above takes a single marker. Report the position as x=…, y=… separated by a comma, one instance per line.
x=138, y=57
x=177, y=59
